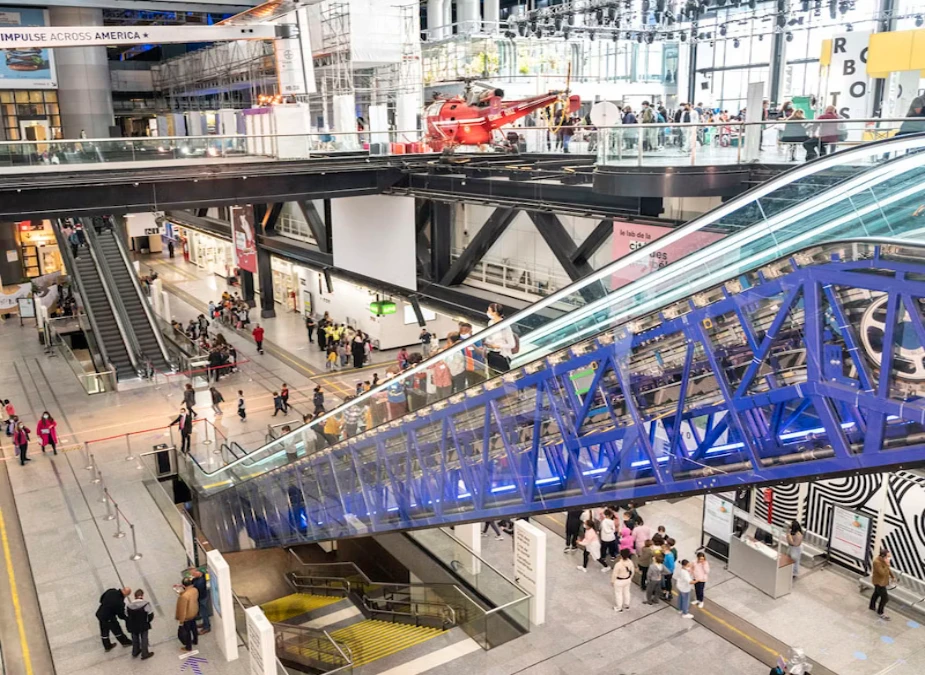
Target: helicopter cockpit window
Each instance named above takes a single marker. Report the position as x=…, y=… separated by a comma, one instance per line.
x=435, y=108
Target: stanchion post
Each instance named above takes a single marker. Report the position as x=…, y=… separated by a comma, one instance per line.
x=135, y=554
x=119, y=531
x=96, y=473
x=104, y=491
x=109, y=515
x=89, y=466
x=128, y=448
x=207, y=440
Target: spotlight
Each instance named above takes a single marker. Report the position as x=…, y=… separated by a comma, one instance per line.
x=760, y=37
x=849, y=27
x=650, y=37
x=639, y=38
x=752, y=4
x=683, y=36
x=591, y=35
x=723, y=29
x=615, y=36
x=789, y=37
x=919, y=20
x=735, y=43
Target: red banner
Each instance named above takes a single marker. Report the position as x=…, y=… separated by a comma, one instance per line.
x=245, y=241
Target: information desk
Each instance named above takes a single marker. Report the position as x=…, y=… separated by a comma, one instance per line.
x=763, y=566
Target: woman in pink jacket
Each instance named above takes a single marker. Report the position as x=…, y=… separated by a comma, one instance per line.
x=21, y=441
x=627, y=541
x=47, y=430
x=701, y=574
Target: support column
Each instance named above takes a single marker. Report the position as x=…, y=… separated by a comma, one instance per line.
x=84, y=85
x=265, y=276
x=441, y=237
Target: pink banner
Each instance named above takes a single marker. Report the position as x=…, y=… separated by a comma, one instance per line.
x=629, y=237
x=245, y=242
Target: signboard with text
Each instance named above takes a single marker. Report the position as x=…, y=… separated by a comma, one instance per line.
x=848, y=83
x=31, y=34
x=850, y=533
x=629, y=237
x=718, y=515
x=261, y=642
x=530, y=567
x=25, y=66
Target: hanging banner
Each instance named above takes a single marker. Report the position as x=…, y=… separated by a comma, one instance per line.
x=28, y=67
x=718, y=515
x=530, y=567
x=245, y=241
x=850, y=533
x=848, y=83
x=27, y=37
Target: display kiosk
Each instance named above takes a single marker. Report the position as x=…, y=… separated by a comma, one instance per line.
x=766, y=566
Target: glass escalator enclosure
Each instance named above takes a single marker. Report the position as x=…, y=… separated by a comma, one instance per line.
x=846, y=195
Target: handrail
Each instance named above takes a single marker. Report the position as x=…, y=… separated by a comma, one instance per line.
x=897, y=144
x=145, y=305
x=243, y=137
x=403, y=588
x=115, y=302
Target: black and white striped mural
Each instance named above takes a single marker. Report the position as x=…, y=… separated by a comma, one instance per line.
x=903, y=517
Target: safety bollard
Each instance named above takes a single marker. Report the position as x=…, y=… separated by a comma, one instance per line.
x=109, y=515
x=135, y=554
x=207, y=441
x=119, y=532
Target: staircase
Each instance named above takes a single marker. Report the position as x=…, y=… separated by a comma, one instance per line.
x=372, y=639
x=130, y=298
x=97, y=303
x=297, y=604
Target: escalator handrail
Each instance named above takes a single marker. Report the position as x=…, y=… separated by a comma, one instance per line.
x=895, y=144
x=145, y=305
x=115, y=303
x=71, y=264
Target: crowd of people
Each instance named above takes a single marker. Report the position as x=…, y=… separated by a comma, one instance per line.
x=340, y=343
x=193, y=615
x=222, y=355
x=632, y=552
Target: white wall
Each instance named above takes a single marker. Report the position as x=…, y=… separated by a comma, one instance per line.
x=374, y=236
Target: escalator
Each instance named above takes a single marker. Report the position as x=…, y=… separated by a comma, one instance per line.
x=109, y=332
x=790, y=349
x=141, y=322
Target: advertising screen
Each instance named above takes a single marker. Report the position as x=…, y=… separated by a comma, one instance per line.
x=27, y=67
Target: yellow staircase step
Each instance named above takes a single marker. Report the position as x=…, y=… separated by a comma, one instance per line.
x=296, y=604
x=371, y=639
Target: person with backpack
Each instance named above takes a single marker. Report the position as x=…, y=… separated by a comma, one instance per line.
x=318, y=400
x=217, y=400
x=501, y=346
x=138, y=617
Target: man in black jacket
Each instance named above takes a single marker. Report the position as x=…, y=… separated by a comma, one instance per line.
x=185, y=423
x=112, y=608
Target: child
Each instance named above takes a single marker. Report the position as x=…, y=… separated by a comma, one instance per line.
x=331, y=363
x=684, y=589
x=284, y=394
x=138, y=617
x=242, y=413
x=278, y=404
x=343, y=354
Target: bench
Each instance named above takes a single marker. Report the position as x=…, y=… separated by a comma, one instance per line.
x=909, y=591
x=814, y=548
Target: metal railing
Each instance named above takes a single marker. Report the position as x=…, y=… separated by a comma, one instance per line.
x=93, y=382
x=113, y=512
x=696, y=143
x=443, y=605
x=313, y=648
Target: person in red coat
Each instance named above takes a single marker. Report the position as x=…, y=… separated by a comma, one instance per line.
x=21, y=441
x=47, y=430
x=258, y=337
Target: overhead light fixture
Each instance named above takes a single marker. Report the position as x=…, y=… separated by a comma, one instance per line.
x=789, y=37
x=723, y=29
x=849, y=27
x=919, y=20
x=735, y=43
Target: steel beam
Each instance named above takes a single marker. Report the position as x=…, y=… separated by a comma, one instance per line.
x=483, y=240
x=316, y=224
x=442, y=224
x=593, y=242
x=560, y=243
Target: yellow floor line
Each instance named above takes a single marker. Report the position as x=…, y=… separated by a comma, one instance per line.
x=17, y=609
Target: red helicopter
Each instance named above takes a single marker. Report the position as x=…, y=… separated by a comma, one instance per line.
x=472, y=119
